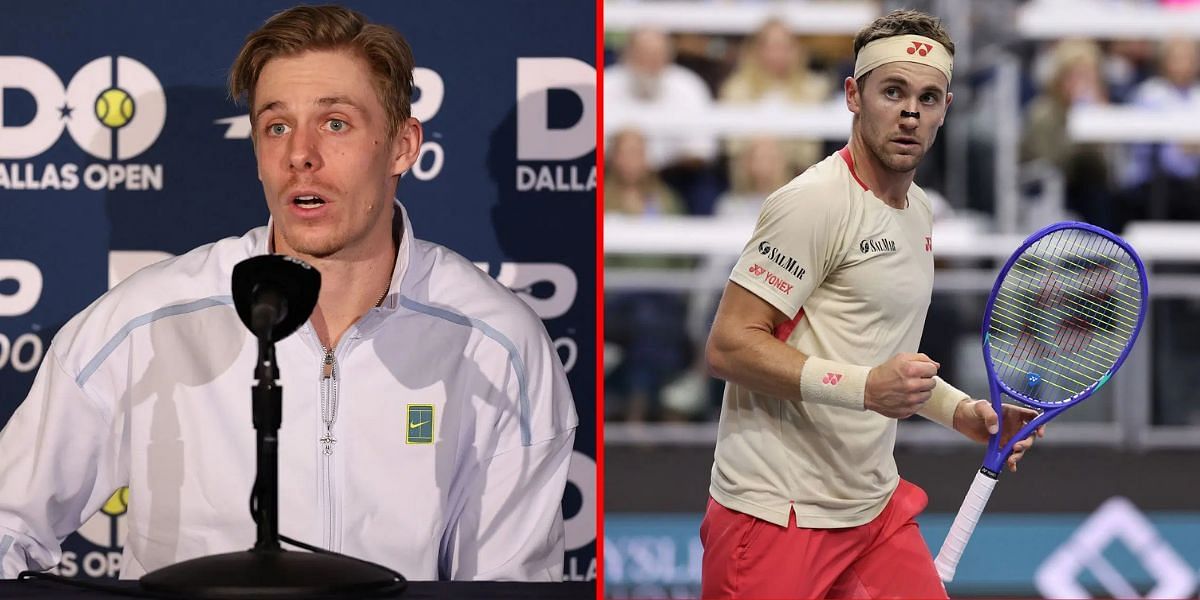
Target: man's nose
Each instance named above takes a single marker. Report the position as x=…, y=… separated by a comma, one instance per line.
x=304, y=154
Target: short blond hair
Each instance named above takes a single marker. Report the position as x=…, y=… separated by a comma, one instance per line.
x=303, y=28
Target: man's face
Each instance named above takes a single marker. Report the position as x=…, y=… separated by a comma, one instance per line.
x=629, y=151
x=1180, y=62
x=777, y=51
x=327, y=168
x=649, y=52
x=899, y=142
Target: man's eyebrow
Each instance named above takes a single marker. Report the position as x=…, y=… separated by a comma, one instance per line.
x=331, y=100
x=268, y=106
x=325, y=101
x=904, y=82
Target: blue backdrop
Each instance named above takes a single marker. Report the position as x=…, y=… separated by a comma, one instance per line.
x=506, y=91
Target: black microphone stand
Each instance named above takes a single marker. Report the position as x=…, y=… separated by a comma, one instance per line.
x=267, y=399
x=268, y=570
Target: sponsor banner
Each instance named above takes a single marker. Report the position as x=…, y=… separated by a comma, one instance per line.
x=1115, y=551
x=119, y=147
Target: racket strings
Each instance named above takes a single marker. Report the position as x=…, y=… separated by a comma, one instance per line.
x=1063, y=315
x=1125, y=300
x=1047, y=334
x=1082, y=319
x=1013, y=313
x=1101, y=351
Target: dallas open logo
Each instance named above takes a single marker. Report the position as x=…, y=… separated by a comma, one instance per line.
x=114, y=108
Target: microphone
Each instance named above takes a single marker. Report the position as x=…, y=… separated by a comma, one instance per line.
x=274, y=294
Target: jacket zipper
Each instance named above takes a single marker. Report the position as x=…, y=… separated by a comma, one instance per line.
x=329, y=409
x=328, y=400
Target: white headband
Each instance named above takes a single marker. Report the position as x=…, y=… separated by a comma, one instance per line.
x=904, y=48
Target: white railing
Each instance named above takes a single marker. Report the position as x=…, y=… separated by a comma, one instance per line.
x=739, y=18
x=1105, y=19
x=828, y=121
x=1172, y=242
x=1133, y=124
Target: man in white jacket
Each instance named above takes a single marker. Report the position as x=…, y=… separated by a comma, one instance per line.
x=427, y=420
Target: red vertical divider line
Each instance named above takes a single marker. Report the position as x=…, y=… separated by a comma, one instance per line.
x=599, y=200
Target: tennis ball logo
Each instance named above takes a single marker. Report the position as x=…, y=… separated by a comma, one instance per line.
x=117, y=504
x=114, y=108
x=107, y=528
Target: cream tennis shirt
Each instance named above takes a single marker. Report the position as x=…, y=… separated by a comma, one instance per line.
x=857, y=275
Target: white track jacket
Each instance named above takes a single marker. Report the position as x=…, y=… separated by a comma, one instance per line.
x=433, y=439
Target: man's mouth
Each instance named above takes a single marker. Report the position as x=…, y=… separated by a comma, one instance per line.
x=308, y=201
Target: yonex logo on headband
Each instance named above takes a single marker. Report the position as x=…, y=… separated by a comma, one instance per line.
x=920, y=48
x=904, y=48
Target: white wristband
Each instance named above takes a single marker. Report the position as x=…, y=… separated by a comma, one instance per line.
x=942, y=403
x=836, y=384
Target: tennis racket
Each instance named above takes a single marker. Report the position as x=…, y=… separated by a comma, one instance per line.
x=1063, y=315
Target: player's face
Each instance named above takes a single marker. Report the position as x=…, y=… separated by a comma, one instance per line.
x=900, y=142
x=327, y=167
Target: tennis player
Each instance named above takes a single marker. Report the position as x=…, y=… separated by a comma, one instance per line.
x=817, y=334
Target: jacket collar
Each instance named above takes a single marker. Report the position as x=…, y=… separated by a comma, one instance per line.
x=401, y=227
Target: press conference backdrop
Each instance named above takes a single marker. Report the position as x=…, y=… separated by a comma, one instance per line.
x=506, y=176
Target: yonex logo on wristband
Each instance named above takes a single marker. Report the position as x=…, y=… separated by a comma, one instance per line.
x=832, y=378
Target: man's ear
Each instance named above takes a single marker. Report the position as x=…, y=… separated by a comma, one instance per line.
x=406, y=146
x=949, y=99
x=853, y=99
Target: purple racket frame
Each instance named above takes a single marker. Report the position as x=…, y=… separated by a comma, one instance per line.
x=985, y=480
x=996, y=455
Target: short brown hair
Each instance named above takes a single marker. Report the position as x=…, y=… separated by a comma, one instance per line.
x=903, y=22
x=329, y=27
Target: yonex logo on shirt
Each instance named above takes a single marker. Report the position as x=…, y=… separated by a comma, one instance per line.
x=772, y=279
x=929, y=243
x=831, y=378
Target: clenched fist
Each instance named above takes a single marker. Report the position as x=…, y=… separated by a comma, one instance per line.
x=901, y=386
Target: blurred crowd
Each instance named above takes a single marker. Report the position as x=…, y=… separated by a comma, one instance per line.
x=656, y=369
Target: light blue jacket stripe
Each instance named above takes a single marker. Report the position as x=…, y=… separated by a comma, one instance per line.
x=146, y=319
x=6, y=542
x=513, y=356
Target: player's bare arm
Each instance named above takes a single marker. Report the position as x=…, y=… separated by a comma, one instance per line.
x=742, y=348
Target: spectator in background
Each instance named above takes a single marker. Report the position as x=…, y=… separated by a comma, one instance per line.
x=647, y=327
x=759, y=169
x=1075, y=79
x=710, y=56
x=1127, y=63
x=647, y=81
x=630, y=185
x=773, y=72
x=1162, y=178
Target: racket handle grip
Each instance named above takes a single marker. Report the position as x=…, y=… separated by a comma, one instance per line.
x=964, y=525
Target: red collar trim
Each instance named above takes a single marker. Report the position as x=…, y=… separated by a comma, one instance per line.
x=845, y=154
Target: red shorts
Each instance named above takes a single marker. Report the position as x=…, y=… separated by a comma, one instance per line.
x=746, y=557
